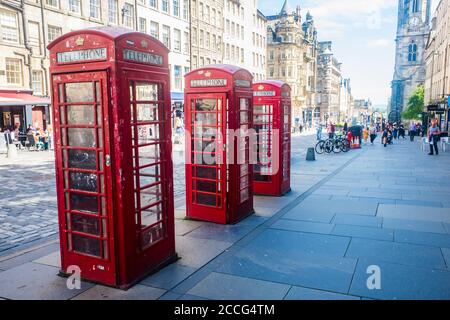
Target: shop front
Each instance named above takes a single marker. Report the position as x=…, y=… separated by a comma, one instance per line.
x=440, y=111
x=21, y=108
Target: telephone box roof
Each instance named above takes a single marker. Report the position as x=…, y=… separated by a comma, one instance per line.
x=228, y=68
x=112, y=33
x=275, y=83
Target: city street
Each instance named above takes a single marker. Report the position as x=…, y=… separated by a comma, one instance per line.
x=376, y=208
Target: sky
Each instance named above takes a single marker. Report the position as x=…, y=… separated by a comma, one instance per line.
x=363, y=34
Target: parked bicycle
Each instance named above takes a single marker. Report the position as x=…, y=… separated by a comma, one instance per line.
x=336, y=145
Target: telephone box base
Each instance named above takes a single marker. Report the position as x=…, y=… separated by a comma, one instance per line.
x=172, y=259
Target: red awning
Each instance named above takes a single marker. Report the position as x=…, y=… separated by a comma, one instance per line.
x=21, y=98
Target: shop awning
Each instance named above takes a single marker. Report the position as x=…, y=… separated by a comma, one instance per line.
x=21, y=98
x=176, y=96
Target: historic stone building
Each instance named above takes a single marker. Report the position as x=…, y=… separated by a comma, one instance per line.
x=28, y=26
x=245, y=36
x=437, y=84
x=207, y=32
x=329, y=77
x=412, y=36
x=292, y=57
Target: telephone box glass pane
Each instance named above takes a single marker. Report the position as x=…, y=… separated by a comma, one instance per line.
x=82, y=137
x=146, y=141
x=82, y=159
x=83, y=181
x=83, y=202
x=79, y=92
x=85, y=224
x=80, y=115
x=86, y=245
x=146, y=112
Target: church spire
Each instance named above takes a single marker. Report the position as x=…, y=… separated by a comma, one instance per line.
x=286, y=9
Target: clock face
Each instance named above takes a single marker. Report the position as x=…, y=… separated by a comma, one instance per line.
x=414, y=22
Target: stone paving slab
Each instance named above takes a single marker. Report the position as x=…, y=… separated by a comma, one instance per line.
x=196, y=252
x=424, y=226
x=363, y=232
x=169, y=277
x=33, y=281
x=299, y=293
x=414, y=213
x=446, y=254
x=224, y=233
x=400, y=282
x=137, y=292
x=53, y=259
x=425, y=238
x=23, y=258
x=303, y=226
x=358, y=220
x=227, y=287
x=392, y=252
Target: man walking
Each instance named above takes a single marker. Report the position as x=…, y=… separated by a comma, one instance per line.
x=412, y=131
x=433, y=136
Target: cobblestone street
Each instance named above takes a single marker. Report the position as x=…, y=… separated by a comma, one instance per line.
x=346, y=213
x=28, y=197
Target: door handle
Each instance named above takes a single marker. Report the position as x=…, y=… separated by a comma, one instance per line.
x=108, y=160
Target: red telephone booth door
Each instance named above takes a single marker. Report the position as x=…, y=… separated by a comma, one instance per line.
x=206, y=174
x=84, y=174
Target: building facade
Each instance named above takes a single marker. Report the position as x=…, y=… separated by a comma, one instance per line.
x=244, y=38
x=207, y=32
x=28, y=26
x=346, y=103
x=362, y=111
x=437, y=84
x=412, y=36
x=292, y=57
x=328, y=83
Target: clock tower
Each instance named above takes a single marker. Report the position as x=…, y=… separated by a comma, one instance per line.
x=412, y=35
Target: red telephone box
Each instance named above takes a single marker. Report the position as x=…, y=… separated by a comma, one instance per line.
x=272, y=122
x=111, y=108
x=218, y=101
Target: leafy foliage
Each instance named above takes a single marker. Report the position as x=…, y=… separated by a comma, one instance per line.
x=415, y=105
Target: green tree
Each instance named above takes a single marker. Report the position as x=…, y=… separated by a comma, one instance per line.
x=415, y=105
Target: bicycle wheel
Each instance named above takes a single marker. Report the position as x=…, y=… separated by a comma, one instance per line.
x=320, y=147
x=337, y=146
x=329, y=146
x=345, y=145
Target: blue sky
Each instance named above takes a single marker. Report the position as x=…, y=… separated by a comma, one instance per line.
x=363, y=34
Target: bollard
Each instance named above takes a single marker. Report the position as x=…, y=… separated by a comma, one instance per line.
x=12, y=151
x=311, y=155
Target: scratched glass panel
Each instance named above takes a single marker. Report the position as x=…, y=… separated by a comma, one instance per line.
x=83, y=181
x=147, y=112
x=85, y=224
x=86, y=245
x=82, y=159
x=80, y=115
x=79, y=92
x=146, y=91
x=82, y=202
x=82, y=137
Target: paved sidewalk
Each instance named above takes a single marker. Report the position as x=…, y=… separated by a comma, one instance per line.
x=384, y=207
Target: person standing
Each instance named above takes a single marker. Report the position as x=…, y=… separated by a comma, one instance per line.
x=395, y=131
x=412, y=131
x=345, y=126
x=319, y=131
x=366, y=135
x=433, y=136
x=373, y=133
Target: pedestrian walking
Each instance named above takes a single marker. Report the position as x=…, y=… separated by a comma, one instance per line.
x=433, y=136
x=373, y=133
x=401, y=131
x=366, y=135
x=395, y=131
x=412, y=131
x=319, y=131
